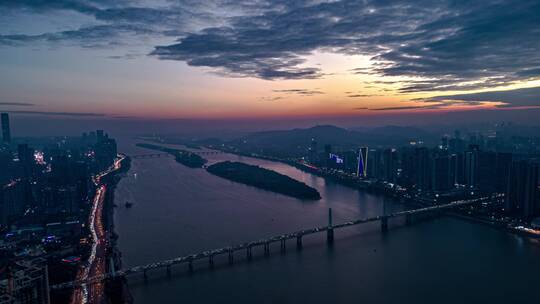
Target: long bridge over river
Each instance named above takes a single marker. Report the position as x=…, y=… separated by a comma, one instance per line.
x=282, y=239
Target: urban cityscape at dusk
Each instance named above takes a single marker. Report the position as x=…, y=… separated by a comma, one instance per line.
x=269, y=151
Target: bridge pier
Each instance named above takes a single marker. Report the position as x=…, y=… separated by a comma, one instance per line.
x=111, y=264
x=330, y=230
x=283, y=248
x=211, y=261
x=168, y=270
x=266, y=249
x=248, y=253
x=299, y=242
x=145, y=276
x=231, y=256
x=190, y=265
x=384, y=224
x=408, y=219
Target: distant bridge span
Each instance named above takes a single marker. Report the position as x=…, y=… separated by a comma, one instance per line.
x=164, y=154
x=150, y=155
x=210, y=254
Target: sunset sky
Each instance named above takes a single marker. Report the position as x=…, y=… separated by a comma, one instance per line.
x=248, y=59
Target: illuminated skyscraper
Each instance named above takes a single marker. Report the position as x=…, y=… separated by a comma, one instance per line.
x=313, y=151
x=6, y=134
x=362, y=161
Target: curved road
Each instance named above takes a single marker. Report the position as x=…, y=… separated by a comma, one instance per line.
x=96, y=264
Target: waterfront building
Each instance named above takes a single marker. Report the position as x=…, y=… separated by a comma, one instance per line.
x=521, y=196
x=390, y=164
x=313, y=151
x=471, y=167
x=26, y=159
x=442, y=173
x=6, y=133
x=422, y=168
x=486, y=175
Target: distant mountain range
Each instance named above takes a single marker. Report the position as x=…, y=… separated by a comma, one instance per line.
x=291, y=141
x=327, y=134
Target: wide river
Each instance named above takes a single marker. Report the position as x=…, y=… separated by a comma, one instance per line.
x=179, y=211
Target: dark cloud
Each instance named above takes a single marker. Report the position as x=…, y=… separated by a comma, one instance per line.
x=17, y=104
x=447, y=45
x=526, y=97
x=92, y=36
x=126, y=117
x=401, y=108
x=117, y=22
x=81, y=6
x=128, y=56
x=438, y=45
x=303, y=92
x=299, y=92
x=271, y=98
x=74, y=114
x=360, y=95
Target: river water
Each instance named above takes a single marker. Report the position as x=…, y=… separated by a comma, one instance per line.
x=179, y=211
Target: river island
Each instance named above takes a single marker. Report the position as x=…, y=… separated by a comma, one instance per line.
x=264, y=179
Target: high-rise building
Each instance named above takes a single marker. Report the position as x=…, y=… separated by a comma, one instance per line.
x=375, y=168
x=313, y=151
x=471, y=166
x=390, y=164
x=530, y=208
x=327, y=153
x=442, y=174
x=26, y=159
x=444, y=143
x=100, y=135
x=521, y=195
x=504, y=161
x=13, y=201
x=422, y=168
x=362, y=162
x=6, y=133
x=458, y=168
x=487, y=171
x=27, y=281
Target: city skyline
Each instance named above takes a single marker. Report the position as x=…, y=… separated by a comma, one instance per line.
x=311, y=60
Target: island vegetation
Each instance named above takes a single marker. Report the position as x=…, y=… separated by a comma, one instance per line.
x=264, y=179
x=186, y=158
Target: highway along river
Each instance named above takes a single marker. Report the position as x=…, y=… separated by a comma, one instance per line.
x=178, y=211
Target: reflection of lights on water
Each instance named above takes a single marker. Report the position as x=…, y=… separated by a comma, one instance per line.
x=528, y=230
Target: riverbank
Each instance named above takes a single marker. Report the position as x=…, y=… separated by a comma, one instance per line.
x=396, y=194
x=117, y=291
x=264, y=179
x=101, y=258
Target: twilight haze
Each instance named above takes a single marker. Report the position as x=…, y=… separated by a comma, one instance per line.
x=348, y=62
